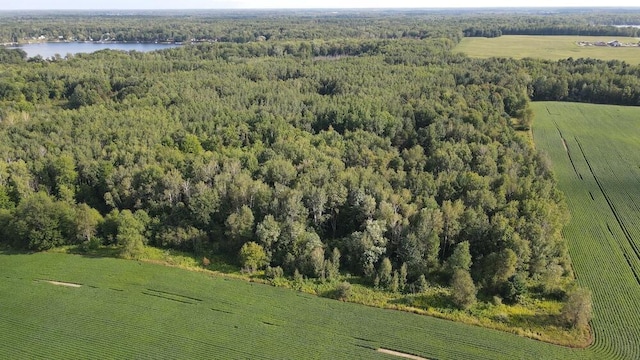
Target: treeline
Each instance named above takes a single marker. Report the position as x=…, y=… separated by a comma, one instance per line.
x=248, y=26
x=586, y=80
x=579, y=22
x=587, y=30
x=236, y=27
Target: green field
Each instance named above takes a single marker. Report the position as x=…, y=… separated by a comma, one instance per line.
x=595, y=151
x=126, y=309
x=548, y=47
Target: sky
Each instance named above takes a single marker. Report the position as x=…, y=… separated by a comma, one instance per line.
x=296, y=4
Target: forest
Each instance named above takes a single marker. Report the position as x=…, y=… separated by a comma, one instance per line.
x=298, y=145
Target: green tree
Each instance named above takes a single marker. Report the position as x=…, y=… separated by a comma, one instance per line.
x=63, y=171
x=460, y=259
x=451, y=214
x=191, y=145
x=5, y=200
x=203, y=203
x=577, y=310
x=82, y=96
x=421, y=284
x=252, y=256
x=239, y=227
x=268, y=232
x=87, y=220
x=384, y=275
x=394, y=286
x=332, y=266
x=463, y=291
x=513, y=289
x=368, y=246
x=20, y=181
x=402, y=277
x=499, y=267
x=130, y=236
x=37, y=223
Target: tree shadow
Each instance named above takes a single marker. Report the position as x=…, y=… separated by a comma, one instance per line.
x=102, y=252
x=5, y=250
x=536, y=321
x=437, y=300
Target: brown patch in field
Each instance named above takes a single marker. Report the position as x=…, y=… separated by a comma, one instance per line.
x=400, y=354
x=60, y=283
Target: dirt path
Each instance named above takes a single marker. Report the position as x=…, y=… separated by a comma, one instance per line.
x=400, y=354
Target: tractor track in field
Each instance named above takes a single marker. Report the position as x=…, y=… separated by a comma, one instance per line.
x=612, y=207
x=566, y=148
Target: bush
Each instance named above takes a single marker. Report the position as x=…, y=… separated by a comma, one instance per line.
x=91, y=245
x=513, y=289
x=421, y=284
x=577, y=310
x=272, y=273
x=342, y=291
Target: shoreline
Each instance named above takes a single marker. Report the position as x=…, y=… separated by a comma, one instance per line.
x=18, y=44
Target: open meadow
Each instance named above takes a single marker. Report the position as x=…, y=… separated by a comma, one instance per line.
x=127, y=309
x=595, y=154
x=548, y=47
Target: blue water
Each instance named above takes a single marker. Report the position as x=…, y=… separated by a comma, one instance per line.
x=623, y=26
x=49, y=50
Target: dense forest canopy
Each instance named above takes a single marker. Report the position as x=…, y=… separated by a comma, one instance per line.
x=311, y=143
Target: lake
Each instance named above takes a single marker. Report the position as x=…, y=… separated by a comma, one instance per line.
x=49, y=50
x=624, y=26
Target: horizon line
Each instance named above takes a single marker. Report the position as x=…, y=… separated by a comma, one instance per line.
x=337, y=8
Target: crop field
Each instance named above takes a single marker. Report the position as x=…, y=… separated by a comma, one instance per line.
x=126, y=309
x=548, y=47
x=595, y=152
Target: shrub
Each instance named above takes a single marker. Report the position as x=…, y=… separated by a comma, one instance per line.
x=421, y=284
x=205, y=261
x=463, y=289
x=272, y=273
x=343, y=291
x=577, y=310
x=513, y=289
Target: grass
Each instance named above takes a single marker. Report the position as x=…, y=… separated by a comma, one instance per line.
x=131, y=309
x=548, y=47
x=595, y=152
x=540, y=323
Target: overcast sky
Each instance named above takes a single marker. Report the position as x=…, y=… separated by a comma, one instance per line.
x=260, y=4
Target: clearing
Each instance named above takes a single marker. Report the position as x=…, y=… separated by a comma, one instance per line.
x=549, y=47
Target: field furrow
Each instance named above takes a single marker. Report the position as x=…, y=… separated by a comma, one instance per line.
x=603, y=236
x=39, y=319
